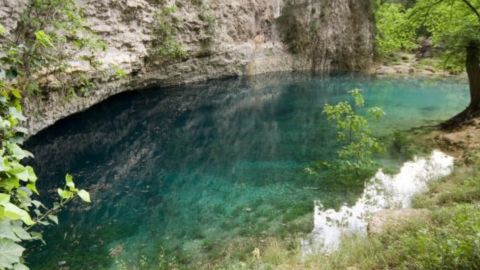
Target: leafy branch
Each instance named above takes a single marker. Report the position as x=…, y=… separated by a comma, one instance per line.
x=355, y=158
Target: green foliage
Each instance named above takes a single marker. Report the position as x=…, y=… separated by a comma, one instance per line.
x=452, y=25
x=394, y=30
x=449, y=241
x=166, y=46
x=49, y=33
x=19, y=210
x=46, y=27
x=358, y=145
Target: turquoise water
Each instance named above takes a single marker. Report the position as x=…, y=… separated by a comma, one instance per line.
x=187, y=174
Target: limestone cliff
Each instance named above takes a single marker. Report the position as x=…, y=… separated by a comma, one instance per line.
x=220, y=38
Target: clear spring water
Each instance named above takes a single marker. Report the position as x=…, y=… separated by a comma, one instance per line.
x=185, y=174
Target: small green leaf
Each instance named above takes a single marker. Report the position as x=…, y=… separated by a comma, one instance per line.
x=32, y=177
x=33, y=187
x=37, y=204
x=84, y=195
x=38, y=236
x=64, y=194
x=53, y=218
x=69, y=181
x=21, y=173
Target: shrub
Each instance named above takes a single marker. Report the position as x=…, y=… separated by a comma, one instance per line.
x=355, y=157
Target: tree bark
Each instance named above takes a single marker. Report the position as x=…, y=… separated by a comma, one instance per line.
x=473, y=72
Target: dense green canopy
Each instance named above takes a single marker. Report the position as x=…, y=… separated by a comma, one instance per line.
x=451, y=24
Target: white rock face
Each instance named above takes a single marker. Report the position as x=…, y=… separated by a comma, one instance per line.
x=245, y=39
x=382, y=192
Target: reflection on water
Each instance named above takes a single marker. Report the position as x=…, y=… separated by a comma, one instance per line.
x=185, y=171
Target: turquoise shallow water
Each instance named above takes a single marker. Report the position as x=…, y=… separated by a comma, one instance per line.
x=181, y=174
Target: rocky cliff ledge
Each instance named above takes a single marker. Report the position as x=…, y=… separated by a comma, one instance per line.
x=219, y=38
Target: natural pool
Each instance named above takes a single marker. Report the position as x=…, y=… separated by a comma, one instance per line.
x=184, y=174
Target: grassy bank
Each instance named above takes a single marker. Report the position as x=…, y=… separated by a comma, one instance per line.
x=447, y=238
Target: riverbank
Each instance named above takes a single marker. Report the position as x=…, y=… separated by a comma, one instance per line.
x=440, y=231
x=407, y=64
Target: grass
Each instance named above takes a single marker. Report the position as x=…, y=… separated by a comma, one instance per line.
x=449, y=238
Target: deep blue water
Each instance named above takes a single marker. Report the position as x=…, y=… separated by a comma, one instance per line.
x=179, y=174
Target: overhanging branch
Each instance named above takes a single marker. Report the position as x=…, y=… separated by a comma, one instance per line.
x=467, y=2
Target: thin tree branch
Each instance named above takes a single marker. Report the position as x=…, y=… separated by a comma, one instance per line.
x=467, y=2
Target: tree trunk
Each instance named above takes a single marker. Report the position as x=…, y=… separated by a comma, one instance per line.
x=473, y=71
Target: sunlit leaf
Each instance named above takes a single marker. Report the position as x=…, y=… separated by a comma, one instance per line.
x=53, y=218
x=13, y=212
x=84, y=195
x=69, y=181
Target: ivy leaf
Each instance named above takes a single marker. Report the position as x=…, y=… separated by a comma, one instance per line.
x=6, y=231
x=32, y=177
x=37, y=204
x=84, y=195
x=18, y=152
x=9, y=183
x=13, y=212
x=33, y=187
x=21, y=173
x=18, y=229
x=10, y=253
